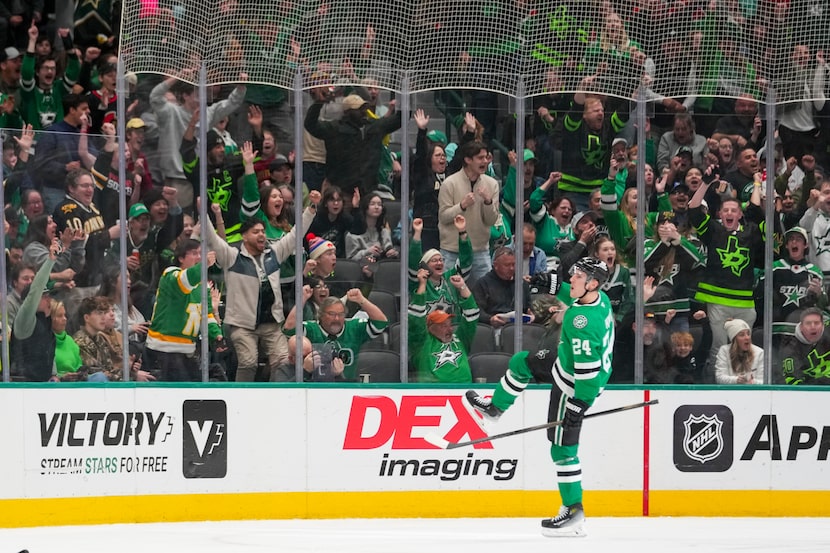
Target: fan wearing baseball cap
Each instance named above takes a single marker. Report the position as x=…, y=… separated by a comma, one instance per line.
x=143, y=248
x=796, y=281
x=440, y=353
x=354, y=144
x=106, y=171
x=10, y=61
x=683, y=142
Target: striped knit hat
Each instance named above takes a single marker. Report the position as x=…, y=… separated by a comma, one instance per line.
x=318, y=246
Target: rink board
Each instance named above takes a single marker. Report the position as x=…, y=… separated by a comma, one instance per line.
x=124, y=453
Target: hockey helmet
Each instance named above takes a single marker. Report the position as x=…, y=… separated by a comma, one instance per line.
x=592, y=267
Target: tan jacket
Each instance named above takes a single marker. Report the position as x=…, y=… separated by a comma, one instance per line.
x=480, y=217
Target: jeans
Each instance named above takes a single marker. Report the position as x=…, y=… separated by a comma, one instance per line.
x=481, y=264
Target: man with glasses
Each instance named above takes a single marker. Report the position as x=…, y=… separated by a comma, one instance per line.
x=337, y=338
x=42, y=92
x=78, y=212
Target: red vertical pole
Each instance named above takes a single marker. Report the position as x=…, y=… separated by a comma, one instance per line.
x=646, y=452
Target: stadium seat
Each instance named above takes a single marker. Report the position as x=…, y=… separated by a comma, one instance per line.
x=758, y=337
x=348, y=272
x=394, y=333
x=531, y=336
x=483, y=341
x=387, y=302
x=388, y=276
x=491, y=365
x=393, y=212
x=380, y=365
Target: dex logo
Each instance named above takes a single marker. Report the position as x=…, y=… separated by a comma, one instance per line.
x=204, y=439
x=703, y=438
x=374, y=421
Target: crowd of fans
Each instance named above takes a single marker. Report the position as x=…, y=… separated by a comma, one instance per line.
x=705, y=192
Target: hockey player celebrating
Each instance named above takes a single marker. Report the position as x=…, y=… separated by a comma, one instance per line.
x=578, y=374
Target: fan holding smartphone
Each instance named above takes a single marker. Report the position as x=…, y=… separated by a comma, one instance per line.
x=439, y=292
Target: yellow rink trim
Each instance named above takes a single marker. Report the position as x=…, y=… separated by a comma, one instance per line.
x=740, y=503
x=420, y=504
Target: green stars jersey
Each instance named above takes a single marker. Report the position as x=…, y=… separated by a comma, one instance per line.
x=42, y=108
x=443, y=296
x=347, y=343
x=549, y=234
x=434, y=360
x=586, y=343
x=177, y=315
x=798, y=362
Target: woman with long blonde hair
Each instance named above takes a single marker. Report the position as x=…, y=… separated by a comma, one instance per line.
x=67, y=354
x=740, y=361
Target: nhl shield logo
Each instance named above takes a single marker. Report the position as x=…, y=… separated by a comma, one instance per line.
x=703, y=439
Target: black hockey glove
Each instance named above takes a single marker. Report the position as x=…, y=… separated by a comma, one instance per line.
x=572, y=422
x=544, y=283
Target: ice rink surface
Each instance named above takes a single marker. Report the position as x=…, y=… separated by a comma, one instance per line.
x=617, y=535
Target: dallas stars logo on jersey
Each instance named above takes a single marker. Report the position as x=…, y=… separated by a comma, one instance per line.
x=441, y=303
x=594, y=152
x=733, y=256
x=450, y=354
x=818, y=367
x=796, y=285
x=585, y=346
x=219, y=190
x=793, y=295
x=822, y=242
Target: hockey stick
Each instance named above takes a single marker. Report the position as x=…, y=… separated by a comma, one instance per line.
x=441, y=443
